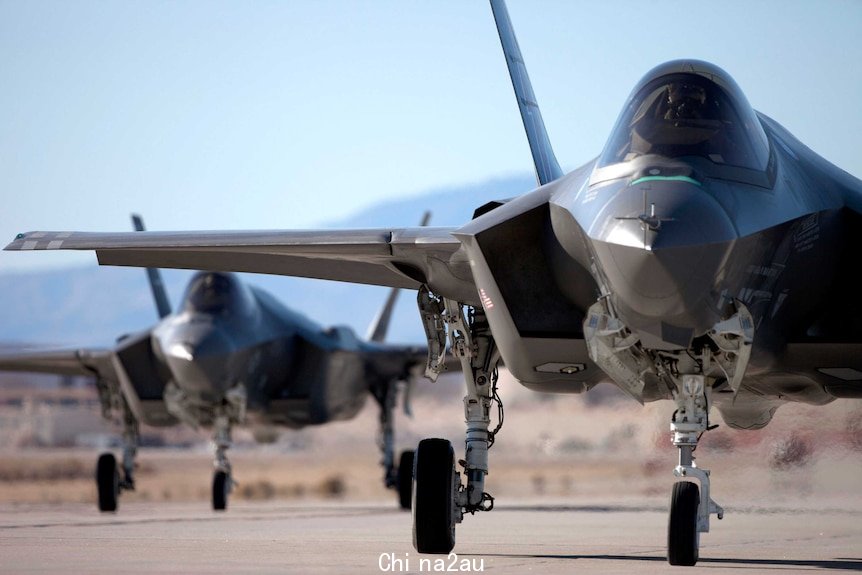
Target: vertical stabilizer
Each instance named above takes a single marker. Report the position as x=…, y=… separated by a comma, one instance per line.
x=156, y=285
x=380, y=326
x=547, y=168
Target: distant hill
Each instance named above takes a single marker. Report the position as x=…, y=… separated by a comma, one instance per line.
x=92, y=305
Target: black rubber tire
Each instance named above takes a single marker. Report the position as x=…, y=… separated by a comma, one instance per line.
x=433, y=495
x=682, y=539
x=107, y=482
x=405, y=479
x=221, y=486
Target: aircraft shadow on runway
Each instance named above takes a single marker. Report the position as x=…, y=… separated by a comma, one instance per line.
x=840, y=563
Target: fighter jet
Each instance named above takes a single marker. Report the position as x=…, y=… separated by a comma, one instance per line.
x=705, y=257
x=230, y=355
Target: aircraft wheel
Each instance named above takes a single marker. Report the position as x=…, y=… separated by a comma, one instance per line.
x=682, y=536
x=107, y=482
x=405, y=478
x=221, y=488
x=433, y=497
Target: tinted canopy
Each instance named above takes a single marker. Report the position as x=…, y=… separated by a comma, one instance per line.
x=688, y=109
x=216, y=293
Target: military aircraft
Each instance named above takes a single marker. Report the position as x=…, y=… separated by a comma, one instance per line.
x=705, y=257
x=231, y=354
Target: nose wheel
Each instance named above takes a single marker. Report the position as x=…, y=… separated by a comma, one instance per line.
x=690, y=503
x=682, y=535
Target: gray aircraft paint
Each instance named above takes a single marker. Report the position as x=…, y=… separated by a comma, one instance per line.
x=295, y=372
x=781, y=239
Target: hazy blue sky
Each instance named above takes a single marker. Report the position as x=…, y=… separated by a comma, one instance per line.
x=265, y=114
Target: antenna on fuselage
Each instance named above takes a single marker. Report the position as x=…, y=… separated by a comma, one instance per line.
x=380, y=325
x=547, y=167
x=155, y=277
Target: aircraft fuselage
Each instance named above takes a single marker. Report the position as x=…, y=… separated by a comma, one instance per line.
x=241, y=345
x=672, y=240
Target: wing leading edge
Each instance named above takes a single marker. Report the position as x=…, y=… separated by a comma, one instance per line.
x=92, y=362
x=404, y=258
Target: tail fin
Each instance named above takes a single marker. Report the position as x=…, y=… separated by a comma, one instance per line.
x=380, y=326
x=156, y=285
x=547, y=167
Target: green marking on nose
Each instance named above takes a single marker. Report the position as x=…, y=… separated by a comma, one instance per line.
x=665, y=179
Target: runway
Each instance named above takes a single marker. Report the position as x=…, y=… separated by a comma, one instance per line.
x=278, y=537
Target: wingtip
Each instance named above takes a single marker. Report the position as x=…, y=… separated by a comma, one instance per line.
x=28, y=241
x=15, y=244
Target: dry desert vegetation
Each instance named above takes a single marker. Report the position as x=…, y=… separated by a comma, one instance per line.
x=552, y=448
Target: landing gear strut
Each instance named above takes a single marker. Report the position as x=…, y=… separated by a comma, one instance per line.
x=439, y=497
x=400, y=477
x=690, y=507
x=131, y=437
x=109, y=484
x=222, y=479
x=231, y=411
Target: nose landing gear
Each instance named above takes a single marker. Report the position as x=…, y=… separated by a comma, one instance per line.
x=223, y=482
x=690, y=506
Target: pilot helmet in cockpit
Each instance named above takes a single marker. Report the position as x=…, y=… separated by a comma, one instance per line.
x=688, y=111
x=686, y=101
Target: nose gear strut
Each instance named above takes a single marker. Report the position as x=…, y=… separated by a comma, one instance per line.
x=690, y=507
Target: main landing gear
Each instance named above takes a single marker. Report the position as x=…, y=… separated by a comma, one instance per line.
x=405, y=479
x=690, y=506
x=109, y=484
x=399, y=478
x=439, y=497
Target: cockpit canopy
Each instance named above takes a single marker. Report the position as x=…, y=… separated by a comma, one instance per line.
x=688, y=109
x=216, y=293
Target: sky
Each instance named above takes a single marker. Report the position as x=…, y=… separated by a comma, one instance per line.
x=280, y=114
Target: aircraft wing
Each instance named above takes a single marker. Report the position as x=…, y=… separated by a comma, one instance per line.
x=92, y=362
x=405, y=258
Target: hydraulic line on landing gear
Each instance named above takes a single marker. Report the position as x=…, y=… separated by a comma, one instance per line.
x=487, y=501
x=495, y=397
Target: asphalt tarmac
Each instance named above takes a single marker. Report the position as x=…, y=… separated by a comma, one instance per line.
x=308, y=538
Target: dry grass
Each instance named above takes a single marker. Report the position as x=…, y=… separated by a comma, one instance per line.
x=551, y=447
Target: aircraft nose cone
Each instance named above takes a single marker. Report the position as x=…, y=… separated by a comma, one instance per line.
x=664, y=214
x=197, y=357
x=662, y=251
